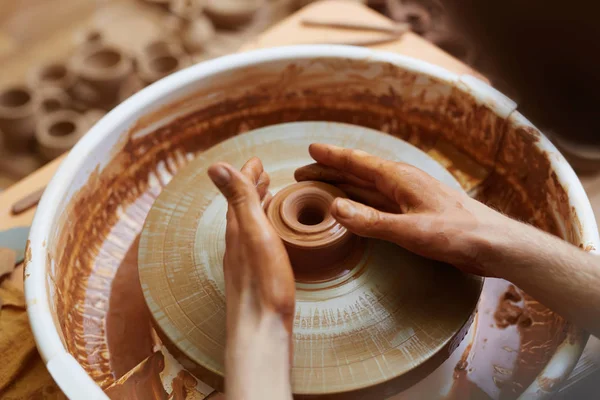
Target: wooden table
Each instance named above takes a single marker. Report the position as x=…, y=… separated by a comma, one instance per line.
x=291, y=31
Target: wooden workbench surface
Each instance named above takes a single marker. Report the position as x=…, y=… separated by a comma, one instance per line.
x=289, y=31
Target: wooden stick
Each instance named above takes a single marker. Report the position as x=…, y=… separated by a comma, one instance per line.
x=366, y=42
x=395, y=29
x=24, y=204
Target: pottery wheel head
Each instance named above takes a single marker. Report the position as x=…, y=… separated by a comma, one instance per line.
x=384, y=317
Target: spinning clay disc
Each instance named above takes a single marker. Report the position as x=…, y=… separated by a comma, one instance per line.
x=379, y=321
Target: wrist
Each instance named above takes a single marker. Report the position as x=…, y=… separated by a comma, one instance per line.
x=257, y=359
x=496, y=243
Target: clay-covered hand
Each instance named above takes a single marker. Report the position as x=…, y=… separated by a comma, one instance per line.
x=259, y=286
x=402, y=204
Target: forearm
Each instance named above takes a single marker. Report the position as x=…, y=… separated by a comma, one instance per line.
x=559, y=275
x=257, y=360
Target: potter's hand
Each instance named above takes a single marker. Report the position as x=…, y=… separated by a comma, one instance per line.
x=259, y=286
x=402, y=204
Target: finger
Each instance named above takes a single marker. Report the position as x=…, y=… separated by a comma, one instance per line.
x=231, y=265
x=400, y=182
x=254, y=170
x=242, y=198
x=323, y=173
x=366, y=221
x=356, y=162
x=262, y=186
x=370, y=197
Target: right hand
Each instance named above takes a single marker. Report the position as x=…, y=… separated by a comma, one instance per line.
x=402, y=204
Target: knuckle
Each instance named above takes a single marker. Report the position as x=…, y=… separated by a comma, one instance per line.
x=263, y=239
x=372, y=219
x=239, y=198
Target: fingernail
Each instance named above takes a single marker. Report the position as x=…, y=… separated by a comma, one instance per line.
x=345, y=209
x=219, y=175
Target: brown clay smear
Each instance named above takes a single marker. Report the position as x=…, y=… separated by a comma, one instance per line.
x=142, y=383
x=463, y=388
x=127, y=317
x=183, y=384
x=102, y=221
x=541, y=332
x=508, y=312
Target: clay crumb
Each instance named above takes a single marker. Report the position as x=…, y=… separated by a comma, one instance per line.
x=508, y=313
x=462, y=364
x=499, y=383
x=525, y=321
x=512, y=295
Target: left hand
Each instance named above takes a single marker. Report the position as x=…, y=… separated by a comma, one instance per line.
x=259, y=289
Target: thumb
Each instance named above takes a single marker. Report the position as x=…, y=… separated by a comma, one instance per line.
x=236, y=187
x=366, y=221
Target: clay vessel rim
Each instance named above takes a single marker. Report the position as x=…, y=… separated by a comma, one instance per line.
x=290, y=204
x=46, y=121
x=295, y=232
x=150, y=74
x=165, y=46
x=122, y=67
x=51, y=93
x=36, y=76
x=20, y=111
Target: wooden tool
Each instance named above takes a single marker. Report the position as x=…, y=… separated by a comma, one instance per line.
x=395, y=29
x=27, y=202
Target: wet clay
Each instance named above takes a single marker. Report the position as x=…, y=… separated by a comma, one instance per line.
x=463, y=388
x=183, y=384
x=128, y=325
x=102, y=221
x=509, y=313
x=143, y=383
x=319, y=248
x=541, y=331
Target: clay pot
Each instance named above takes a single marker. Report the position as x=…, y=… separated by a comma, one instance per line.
x=415, y=14
x=58, y=132
x=186, y=8
x=230, y=14
x=17, y=117
x=101, y=71
x=160, y=47
x=154, y=68
x=50, y=99
x=197, y=34
x=318, y=246
x=54, y=74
